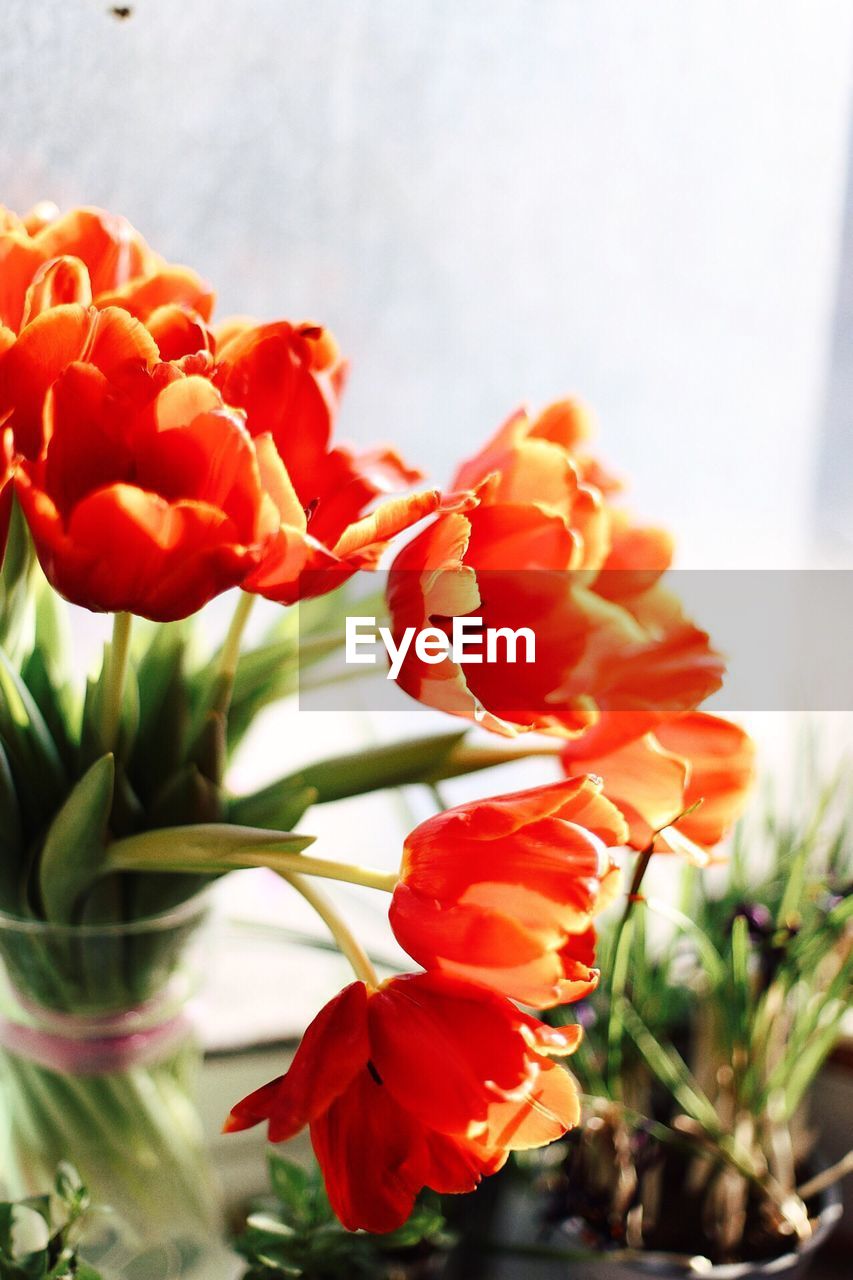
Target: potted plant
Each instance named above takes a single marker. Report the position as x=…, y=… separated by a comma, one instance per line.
x=701, y=1048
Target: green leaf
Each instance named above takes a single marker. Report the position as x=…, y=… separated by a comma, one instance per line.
x=74, y=850
x=11, y=839
x=46, y=671
x=39, y=774
x=374, y=768
x=189, y=797
x=19, y=568
x=205, y=848
x=295, y=1189
x=279, y=806
x=29, y=1232
x=672, y=1071
x=265, y=675
x=271, y=671
x=209, y=750
x=712, y=961
x=55, y=704
x=618, y=1005
x=164, y=710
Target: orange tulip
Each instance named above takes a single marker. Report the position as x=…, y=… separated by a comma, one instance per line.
x=110, y=341
x=90, y=256
x=541, y=546
x=691, y=760
x=287, y=380
x=148, y=495
x=502, y=891
x=425, y=1081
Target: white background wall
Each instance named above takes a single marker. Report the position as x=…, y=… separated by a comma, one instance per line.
x=491, y=201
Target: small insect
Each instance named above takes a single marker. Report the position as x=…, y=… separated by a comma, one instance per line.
x=121, y=11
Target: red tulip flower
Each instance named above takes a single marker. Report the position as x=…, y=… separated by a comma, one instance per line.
x=147, y=497
x=541, y=546
x=502, y=891
x=688, y=779
x=108, y=341
x=287, y=380
x=89, y=256
x=425, y=1081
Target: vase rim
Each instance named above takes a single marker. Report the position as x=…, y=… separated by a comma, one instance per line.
x=193, y=908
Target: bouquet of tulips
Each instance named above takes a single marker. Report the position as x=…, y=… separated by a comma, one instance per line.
x=154, y=460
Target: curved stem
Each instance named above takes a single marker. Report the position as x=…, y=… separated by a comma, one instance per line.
x=115, y=676
x=347, y=942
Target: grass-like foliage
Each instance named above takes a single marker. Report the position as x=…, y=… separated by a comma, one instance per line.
x=702, y=1045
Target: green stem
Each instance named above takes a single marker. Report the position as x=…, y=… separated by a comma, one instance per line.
x=348, y=944
x=230, y=654
x=115, y=676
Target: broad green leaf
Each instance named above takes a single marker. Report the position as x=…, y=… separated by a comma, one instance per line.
x=279, y=806
x=74, y=852
x=205, y=848
x=189, y=797
x=395, y=764
x=29, y=1233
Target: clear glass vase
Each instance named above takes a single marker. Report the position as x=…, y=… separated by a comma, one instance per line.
x=98, y=1066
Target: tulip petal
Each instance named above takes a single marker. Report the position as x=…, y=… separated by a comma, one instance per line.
x=332, y=1050
x=111, y=340
x=643, y=780
x=423, y=1018
x=550, y=1108
x=374, y=1157
x=57, y=283
x=170, y=285
x=109, y=246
